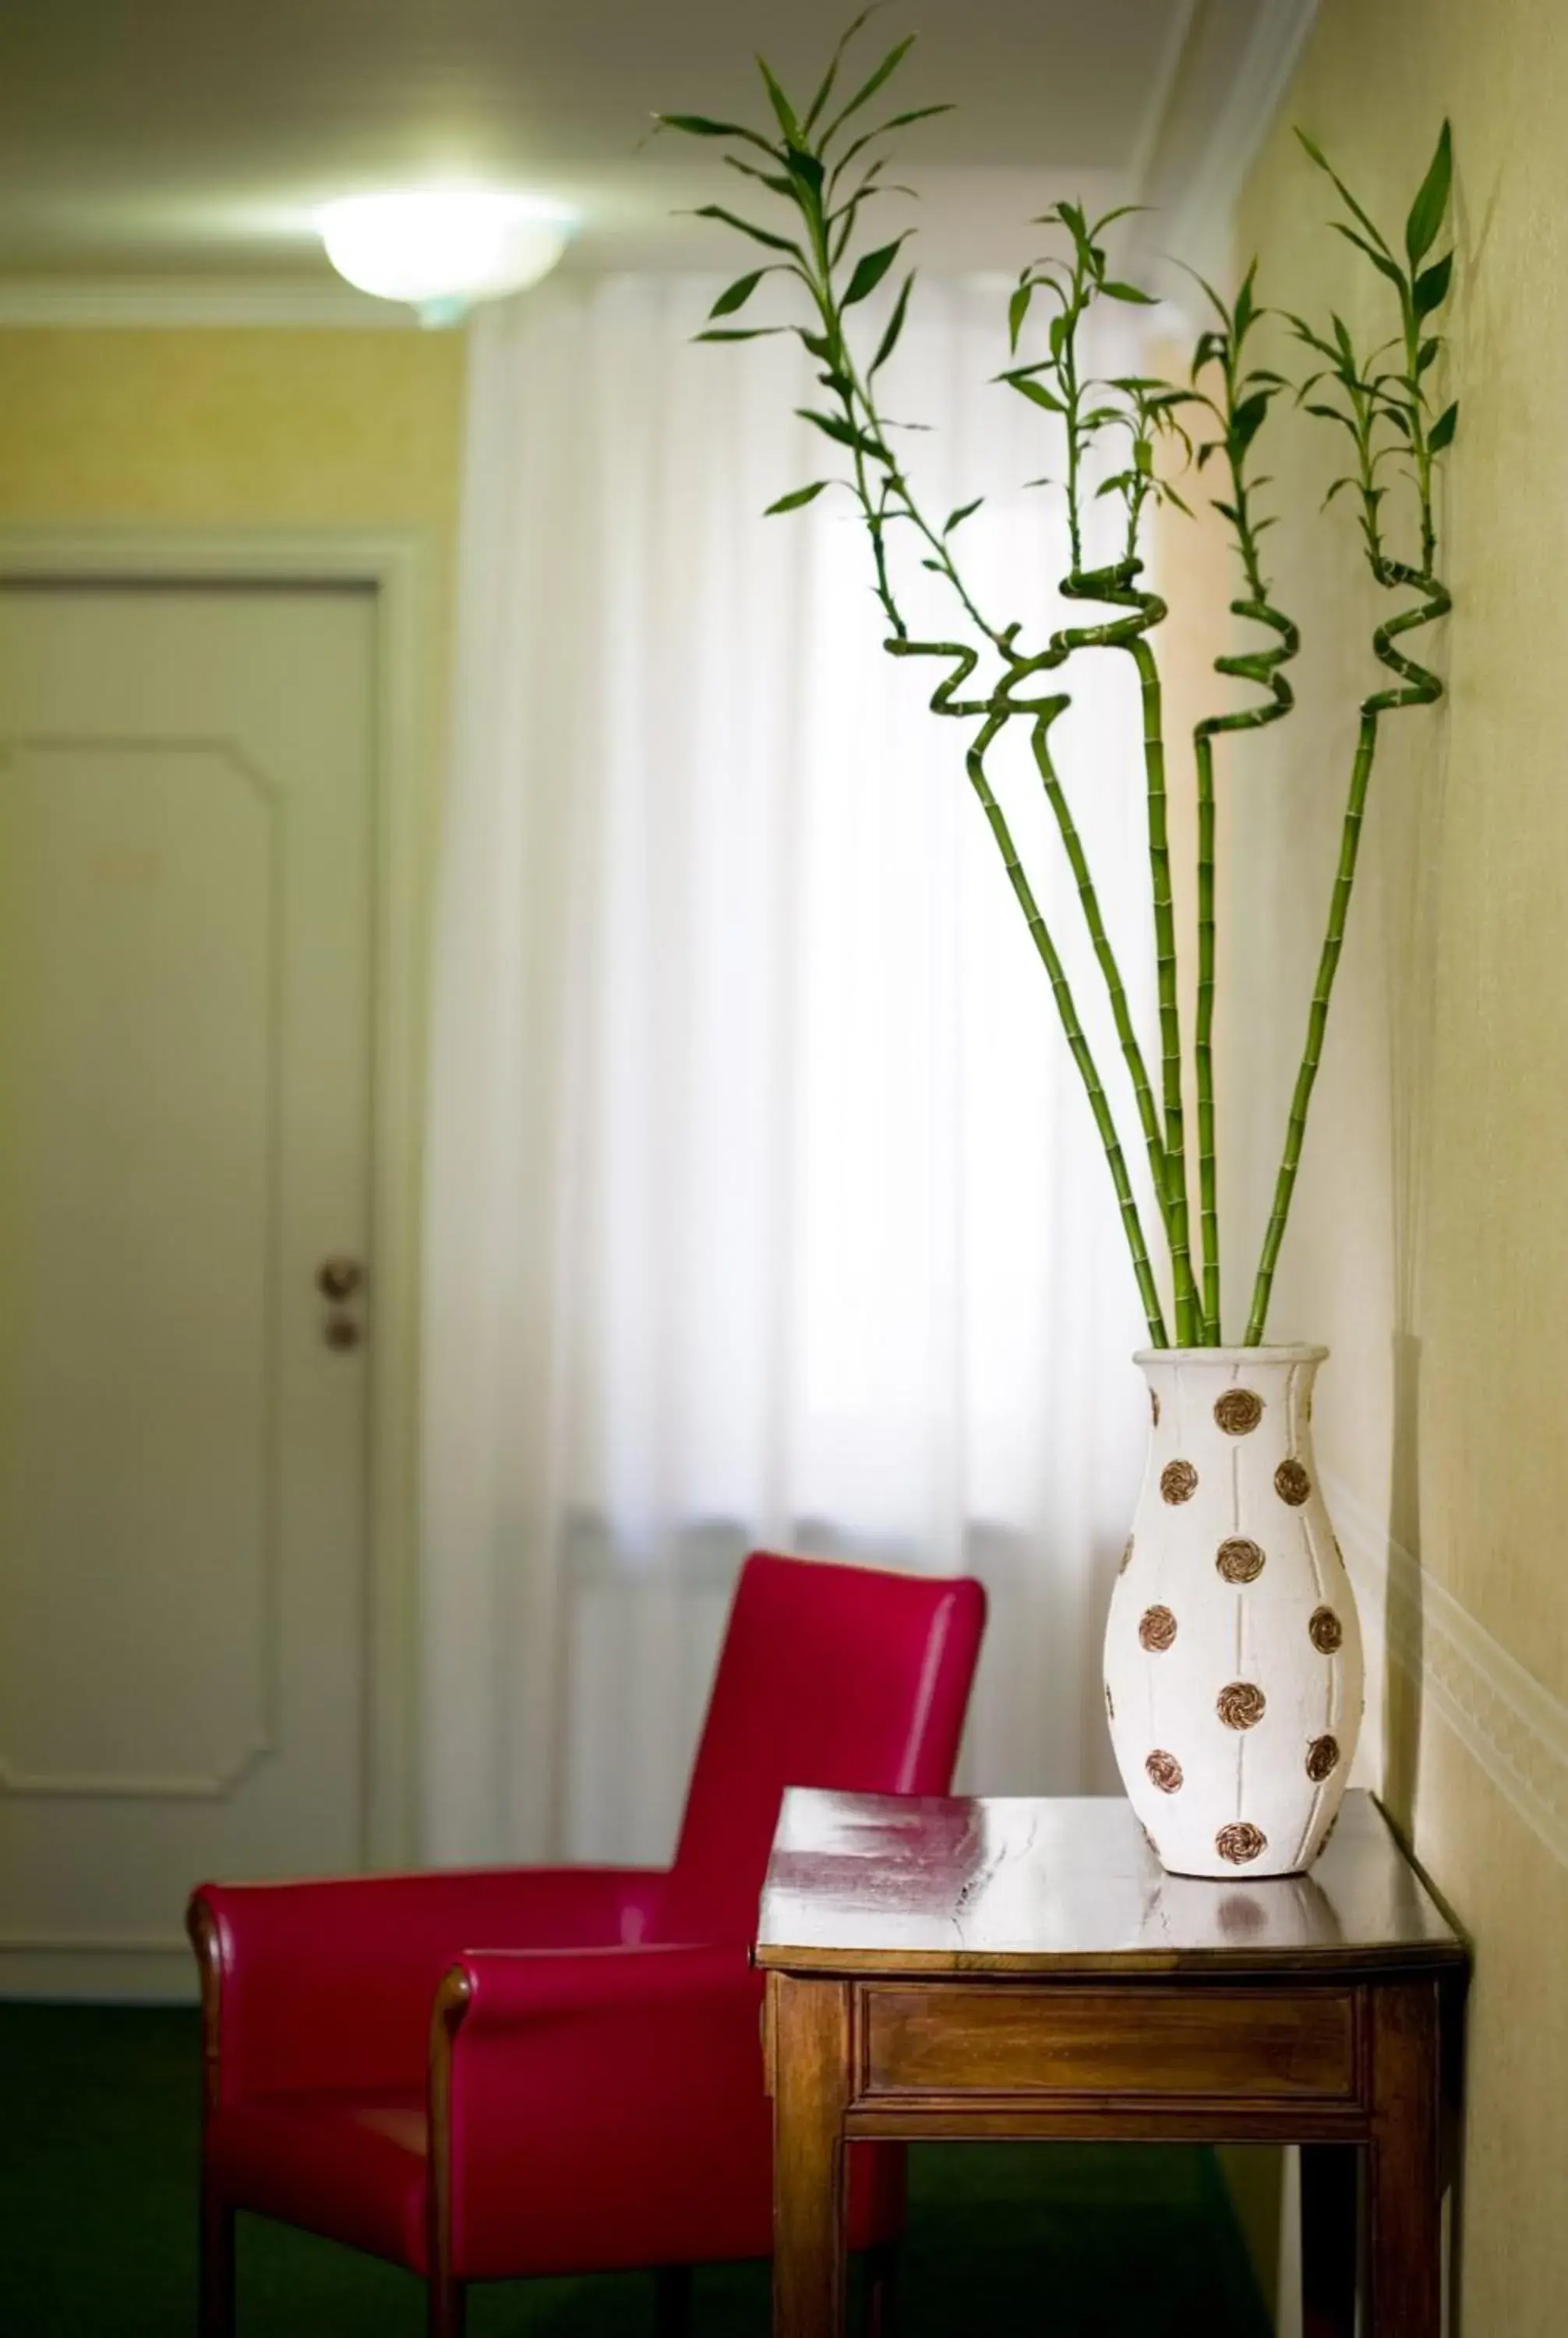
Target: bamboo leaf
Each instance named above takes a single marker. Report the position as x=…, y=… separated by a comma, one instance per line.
x=1017, y=309
x=895, y=122
x=775, y=182
x=1387, y=267
x=870, y=269
x=1035, y=392
x=1114, y=290
x=758, y=234
x=1122, y=210
x=700, y=125
x=740, y=333
x=956, y=518
x=1367, y=221
x=1431, y=201
x=735, y=296
x=799, y=496
x=1443, y=429
x=825, y=87
x=843, y=434
x=889, y=341
x=779, y=102
x=869, y=89
x=1432, y=285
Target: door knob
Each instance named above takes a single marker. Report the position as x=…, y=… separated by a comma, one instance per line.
x=338, y=1278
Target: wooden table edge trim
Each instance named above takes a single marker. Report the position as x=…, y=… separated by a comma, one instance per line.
x=1112, y=1965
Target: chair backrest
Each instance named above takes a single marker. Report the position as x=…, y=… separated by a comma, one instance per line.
x=842, y=1676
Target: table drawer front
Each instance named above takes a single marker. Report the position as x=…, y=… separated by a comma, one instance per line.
x=1236, y=2045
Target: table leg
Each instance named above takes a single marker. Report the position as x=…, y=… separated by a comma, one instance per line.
x=1328, y=2183
x=811, y=2027
x=1404, y=2180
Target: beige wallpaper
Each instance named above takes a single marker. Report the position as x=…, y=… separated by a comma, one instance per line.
x=292, y=429
x=1430, y=1246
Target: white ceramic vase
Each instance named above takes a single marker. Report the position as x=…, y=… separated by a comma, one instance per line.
x=1233, y=1671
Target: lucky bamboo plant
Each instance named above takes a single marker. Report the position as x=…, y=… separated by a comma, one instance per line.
x=826, y=163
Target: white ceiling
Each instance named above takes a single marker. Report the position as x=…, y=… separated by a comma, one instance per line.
x=192, y=139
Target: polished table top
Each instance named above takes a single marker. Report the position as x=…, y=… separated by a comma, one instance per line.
x=883, y=1883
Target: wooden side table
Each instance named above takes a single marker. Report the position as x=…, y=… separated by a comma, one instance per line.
x=964, y=1969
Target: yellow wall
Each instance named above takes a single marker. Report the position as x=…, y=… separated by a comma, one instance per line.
x=217, y=428
x=293, y=432
x=244, y=429
x=1430, y=1244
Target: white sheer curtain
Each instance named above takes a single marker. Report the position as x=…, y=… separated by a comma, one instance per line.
x=763, y=1205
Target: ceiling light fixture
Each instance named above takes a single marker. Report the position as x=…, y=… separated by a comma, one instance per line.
x=441, y=249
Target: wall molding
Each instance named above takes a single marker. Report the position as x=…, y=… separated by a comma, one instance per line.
x=1510, y=1723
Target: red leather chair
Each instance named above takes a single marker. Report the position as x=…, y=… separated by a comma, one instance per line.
x=543, y=2070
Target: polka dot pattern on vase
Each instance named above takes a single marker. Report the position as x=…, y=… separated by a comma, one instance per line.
x=1239, y=1411
x=1178, y=1482
x=1292, y=1483
x=1157, y=1630
x=1231, y=1641
x=1325, y=1631
x=1239, y=1560
x=1240, y=1705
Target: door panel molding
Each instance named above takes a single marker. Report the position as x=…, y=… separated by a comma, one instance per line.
x=398, y=567
x=17, y=1781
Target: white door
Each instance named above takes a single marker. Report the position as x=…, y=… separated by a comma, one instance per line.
x=185, y=962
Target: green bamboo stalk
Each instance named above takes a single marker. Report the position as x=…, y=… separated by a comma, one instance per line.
x=1418, y=686
x=1147, y=1291
x=1117, y=586
x=1241, y=409
x=1399, y=402
x=1260, y=666
x=1115, y=989
x=1203, y=1041
x=1317, y=1024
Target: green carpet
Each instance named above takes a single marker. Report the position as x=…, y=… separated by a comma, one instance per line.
x=98, y=2137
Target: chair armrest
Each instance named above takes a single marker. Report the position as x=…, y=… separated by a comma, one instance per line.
x=560, y=2079
x=329, y=1984
x=496, y=1992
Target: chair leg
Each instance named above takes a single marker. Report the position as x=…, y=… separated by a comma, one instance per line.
x=217, y=2316
x=881, y=2285
x=673, y=2301
x=446, y=2306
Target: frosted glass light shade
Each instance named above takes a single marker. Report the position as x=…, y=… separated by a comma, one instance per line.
x=442, y=250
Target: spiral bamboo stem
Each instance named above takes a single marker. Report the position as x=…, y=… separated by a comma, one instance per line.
x=1263, y=667
x=1117, y=587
